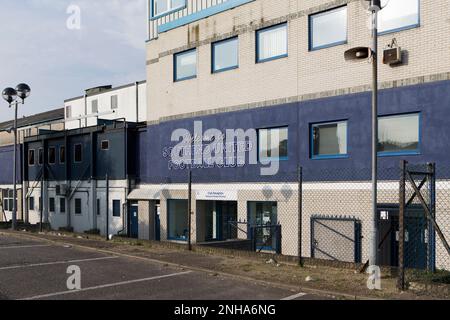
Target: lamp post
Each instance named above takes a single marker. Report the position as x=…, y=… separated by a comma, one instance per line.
x=22, y=91
x=359, y=53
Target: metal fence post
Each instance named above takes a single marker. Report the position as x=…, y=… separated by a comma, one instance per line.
x=401, y=222
x=300, y=214
x=189, y=209
x=431, y=230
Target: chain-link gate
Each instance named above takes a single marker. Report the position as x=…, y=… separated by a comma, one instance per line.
x=418, y=227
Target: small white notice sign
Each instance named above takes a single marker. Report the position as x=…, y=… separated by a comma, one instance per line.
x=228, y=195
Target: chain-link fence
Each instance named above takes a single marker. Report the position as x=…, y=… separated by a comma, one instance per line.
x=323, y=216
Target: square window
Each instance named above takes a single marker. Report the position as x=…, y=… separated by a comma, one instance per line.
x=51, y=155
x=31, y=160
x=116, y=208
x=114, y=102
x=62, y=205
x=78, y=206
x=78, y=153
x=398, y=14
x=105, y=145
x=399, y=134
x=185, y=65
x=273, y=143
x=225, y=55
x=328, y=28
x=271, y=43
x=329, y=140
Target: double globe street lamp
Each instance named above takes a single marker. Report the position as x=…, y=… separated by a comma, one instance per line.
x=14, y=97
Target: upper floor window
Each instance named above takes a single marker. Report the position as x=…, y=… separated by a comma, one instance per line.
x=399, y=134
x=398, y=14
x=185, y=65
x=114, y=102
x=225, y=55
x=31, y=160
x=328, y=28
x=62, y=154
x=78, y=153
x=94, y=105
x=329, y=140
x=273, y=143
x=68, y=112
x=41, y=156
x=105, y=145
x=161, y=7
x=271, y=43
x=51, y=155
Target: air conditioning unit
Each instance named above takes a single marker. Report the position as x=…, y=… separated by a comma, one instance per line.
x=392, y=56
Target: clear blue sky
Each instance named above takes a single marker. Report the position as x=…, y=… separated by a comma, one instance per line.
x=58, y=63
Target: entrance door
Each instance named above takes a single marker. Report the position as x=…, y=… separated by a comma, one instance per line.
x=157, y=222
x=416, y=242
x=134, y=222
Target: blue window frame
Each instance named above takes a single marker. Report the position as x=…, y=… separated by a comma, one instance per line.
x=160, y=8
x=398, y=15
x=399, y=134
x=328, y=28
x=271, y=43
x=185, y=65
x=177, y=220
x=273, y=143
x=329, y=140
x=225, y=55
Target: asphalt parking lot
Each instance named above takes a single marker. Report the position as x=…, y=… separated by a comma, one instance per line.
x=34, y=270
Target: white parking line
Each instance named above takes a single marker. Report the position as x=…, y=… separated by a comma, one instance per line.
x=55, y=262
x=105, y=286
x=295, y=296
x=27, y=246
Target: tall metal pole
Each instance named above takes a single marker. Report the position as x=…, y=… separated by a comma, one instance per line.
x=300, y=214
x=14, y=211
x=374, y=231
x=190, y=210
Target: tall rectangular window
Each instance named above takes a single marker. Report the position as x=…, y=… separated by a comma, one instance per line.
x=41, y=156
x=51, y=155
x=329, y=140
x=398, y=14
x=114, y=102
x=51, y=204
x=225, y=55
x=62, y=205
x=273, y=143
x=78, y=153
x=399, y=134
x=177, y=220
x=116, y=208
x=185, y=65
x=99, y=213
x=271, y=43
x=62, y=155
x=31, y=203
x=68, y=112
x=78, y=206
x=328, y=28
x=162, y=7
x=31, y=160
x=94, y=106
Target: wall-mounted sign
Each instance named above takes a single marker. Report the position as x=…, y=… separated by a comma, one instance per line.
x=217, y=195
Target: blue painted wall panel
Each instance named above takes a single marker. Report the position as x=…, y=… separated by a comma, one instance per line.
x=432, y=100
x=6, y=164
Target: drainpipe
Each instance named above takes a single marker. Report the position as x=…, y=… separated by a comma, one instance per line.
x=137, y=102
x=68, y=180
x=93, y=198
x=85, y=110
x=24, y=158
